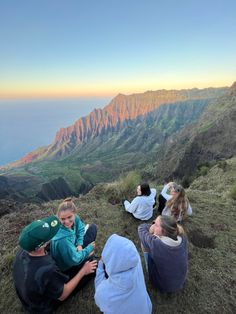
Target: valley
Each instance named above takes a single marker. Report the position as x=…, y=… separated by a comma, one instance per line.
x=191, y=142
x=127, y=134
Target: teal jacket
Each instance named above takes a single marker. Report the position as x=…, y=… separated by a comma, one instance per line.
x=64, y=246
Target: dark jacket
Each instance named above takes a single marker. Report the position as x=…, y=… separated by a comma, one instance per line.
x=167, y=265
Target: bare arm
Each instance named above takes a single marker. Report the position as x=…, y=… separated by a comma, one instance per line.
x=164, y=192
x=88, y=268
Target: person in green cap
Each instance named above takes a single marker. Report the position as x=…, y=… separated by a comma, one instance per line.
x=39, y=283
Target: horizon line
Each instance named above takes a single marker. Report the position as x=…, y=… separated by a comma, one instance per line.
x=51, y=96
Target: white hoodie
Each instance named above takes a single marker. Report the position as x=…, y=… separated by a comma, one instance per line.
x=141, y=206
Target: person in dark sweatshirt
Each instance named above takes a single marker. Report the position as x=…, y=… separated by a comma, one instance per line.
x=39, y=283
x=165, y=250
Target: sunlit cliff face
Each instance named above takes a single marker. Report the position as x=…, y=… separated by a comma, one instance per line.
x=120, y=110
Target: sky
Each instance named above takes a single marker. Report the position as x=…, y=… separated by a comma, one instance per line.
x=91, y=48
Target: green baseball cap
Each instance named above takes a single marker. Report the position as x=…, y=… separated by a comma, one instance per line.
x=38, y=233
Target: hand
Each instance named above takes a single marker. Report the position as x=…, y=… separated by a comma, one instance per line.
x=89, y=267
x=180, y=230
x=151, y=230
x=79, y=248
x=93, y=244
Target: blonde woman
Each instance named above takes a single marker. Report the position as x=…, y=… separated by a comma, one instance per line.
x=177, y=204
x=74, y=243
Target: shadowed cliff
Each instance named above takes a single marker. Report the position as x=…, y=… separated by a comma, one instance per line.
x=210, y=139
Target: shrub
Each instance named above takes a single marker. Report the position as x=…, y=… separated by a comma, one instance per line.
x=129, y=182
x=232, y=192
x=203, y=170
x=123, y=188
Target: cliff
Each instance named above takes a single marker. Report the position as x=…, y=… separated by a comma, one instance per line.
x=111, y=118
x=210, y=139
x=122, y=136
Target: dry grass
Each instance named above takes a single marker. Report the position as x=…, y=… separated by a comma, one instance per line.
x=211, y=232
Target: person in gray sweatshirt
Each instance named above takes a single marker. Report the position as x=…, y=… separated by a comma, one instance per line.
x=142, y=205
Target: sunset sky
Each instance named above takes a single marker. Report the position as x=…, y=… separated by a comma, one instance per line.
x=71, y=48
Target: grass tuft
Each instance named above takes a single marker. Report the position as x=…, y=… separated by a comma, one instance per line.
x=123, y=188
x=233, y=192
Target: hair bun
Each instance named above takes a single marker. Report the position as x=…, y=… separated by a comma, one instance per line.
x=67, y=204
x=68, y=199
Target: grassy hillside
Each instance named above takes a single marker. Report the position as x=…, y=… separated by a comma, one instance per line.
x=210, y=139
x=212, y=241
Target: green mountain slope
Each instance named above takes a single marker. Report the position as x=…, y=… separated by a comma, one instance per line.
x=102, y=158
x=113, y=117
x=210, y=139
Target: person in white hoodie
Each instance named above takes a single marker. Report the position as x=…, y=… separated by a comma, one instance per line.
x=119, y=283
x=142, y=205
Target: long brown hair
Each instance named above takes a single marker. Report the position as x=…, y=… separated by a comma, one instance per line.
x=67, y=204
x=178, y=204
x=170, y=228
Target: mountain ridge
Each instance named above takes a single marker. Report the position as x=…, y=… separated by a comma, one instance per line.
x=104, y=155
x=111, y=117
x=210, y=139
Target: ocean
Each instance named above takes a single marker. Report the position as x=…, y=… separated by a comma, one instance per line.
x=28, y=124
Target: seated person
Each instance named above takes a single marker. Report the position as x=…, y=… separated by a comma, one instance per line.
x=73, y=244
x=142, y=205
x=119, y=283
x=177, y=204
x=165, y=252
x=161, y=203
x=167, y=192
x=39, y=283
x=163, y=196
